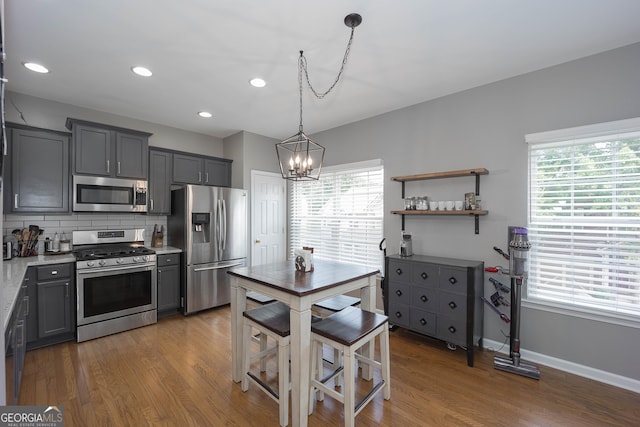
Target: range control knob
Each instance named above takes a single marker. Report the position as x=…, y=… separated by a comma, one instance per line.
x=119, y=260
x=136, y=259
x=90, y=263
x=102, y=263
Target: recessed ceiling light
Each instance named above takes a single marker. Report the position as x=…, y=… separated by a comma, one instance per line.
x=258, y=82
x=205, y=114
x=36, y=67
x=142, y=71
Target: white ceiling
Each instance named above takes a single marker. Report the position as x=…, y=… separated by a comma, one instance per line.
x=203, y=53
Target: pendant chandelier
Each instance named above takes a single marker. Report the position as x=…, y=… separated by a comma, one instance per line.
x=300, y=157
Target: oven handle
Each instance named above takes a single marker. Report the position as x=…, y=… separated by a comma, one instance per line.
x=218, y=267
x=116, y=270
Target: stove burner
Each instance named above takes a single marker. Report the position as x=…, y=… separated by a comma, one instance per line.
x=111, y=251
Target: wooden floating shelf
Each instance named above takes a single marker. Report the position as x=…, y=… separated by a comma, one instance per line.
x=454, y=213
x=438, y=175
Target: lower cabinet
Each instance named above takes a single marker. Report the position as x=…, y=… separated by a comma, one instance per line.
x=438, y=297
x=169, y=301
x=15, y=337
x=52, y=312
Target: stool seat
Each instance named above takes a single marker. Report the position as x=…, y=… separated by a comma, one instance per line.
x=349, y=325
x=337, y=303
x=259, y=298
x=274, y=317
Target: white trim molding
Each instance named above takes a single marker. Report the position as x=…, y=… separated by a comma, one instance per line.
x=570, y=367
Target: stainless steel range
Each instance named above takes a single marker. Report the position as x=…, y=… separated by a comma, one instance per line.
x=116, y=282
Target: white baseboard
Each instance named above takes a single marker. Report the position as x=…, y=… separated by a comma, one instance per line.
x=571, y=367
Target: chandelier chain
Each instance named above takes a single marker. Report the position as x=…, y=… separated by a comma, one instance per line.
x=303, y=65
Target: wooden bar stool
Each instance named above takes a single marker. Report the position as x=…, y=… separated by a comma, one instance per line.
x=271, y=320
x=326, y=308
x=255, y=300
x=348, y=330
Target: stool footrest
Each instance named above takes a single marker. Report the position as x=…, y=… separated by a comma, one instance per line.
x=264, y=386
x=369, y=396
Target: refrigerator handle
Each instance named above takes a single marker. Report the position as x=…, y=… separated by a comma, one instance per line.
x=224, y=224
x=219, y=227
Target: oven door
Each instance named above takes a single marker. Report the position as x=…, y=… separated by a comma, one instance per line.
x=107, y=293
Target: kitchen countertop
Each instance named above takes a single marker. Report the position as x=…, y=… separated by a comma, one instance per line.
x=13, y=272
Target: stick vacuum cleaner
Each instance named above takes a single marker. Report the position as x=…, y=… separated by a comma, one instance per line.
x=518, y=255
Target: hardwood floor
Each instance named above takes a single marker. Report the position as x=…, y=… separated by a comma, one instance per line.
x=178, y=372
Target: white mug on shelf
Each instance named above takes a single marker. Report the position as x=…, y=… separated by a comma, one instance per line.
x=448, y=205
x=459, y=204
x=441, y=205
x=433, y=206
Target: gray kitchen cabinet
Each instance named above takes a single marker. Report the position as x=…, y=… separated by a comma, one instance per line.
x=109, y=151
x=53, y=311
x=160, y=174
x=15, y=336
x=438, y=297
x=192, y=169
x=39, y=171
x=169, y=284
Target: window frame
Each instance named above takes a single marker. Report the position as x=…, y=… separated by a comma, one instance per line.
x=589, y=133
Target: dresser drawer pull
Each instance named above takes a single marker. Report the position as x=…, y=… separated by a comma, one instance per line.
x=398, y=314
x=424, y=298
x=452, y=329
x=423, y=322
x=399, y=271
x=453, y=280
x=54, y=272
x=452, y=305
x=399, y=292
x=424, y=276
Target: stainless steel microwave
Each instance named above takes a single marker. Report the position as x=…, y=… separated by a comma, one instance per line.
x=101, y=194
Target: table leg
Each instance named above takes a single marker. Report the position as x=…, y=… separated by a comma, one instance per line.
x=238, y=306
x=300, y=354
x=368, y=302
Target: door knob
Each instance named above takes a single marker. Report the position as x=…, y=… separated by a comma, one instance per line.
x=257, y=240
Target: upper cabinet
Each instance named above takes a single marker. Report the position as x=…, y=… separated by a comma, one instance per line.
x=160, y=173
x=38, y=175
x=192, y=169
x=109, y=151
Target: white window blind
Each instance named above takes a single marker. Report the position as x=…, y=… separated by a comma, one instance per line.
x=584, y=218
x=340, y=215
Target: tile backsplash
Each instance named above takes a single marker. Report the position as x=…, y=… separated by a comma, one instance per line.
x=52, y=224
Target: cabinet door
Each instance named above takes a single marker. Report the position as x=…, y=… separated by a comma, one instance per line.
x=187, y=169
x=54, y=308
x=217, y=173
x=92, y=150
x=160, y=172
x=40, y=171
x=32, y=306
x=168, y=287
x=132, y=156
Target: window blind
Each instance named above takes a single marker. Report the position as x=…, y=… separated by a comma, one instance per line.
x=340, y=215
x=584, y=220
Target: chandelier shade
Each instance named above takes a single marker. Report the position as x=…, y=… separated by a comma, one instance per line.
x=300, y=158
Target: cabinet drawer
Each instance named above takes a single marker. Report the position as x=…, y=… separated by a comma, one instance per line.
x=50, y=272
x=399, y=271
x=425, y=275
x=424, y=298
x=453, y=279
x=399, y=293
x=451, y=330
x=423, y=322
x=400, y=314
x=169, y=259
x=453, y=305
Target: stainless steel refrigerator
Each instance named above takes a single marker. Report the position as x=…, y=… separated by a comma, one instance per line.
x=210, y=225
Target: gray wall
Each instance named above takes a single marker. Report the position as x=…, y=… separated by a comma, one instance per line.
x=250, y=151
x=485, y=127
x=52, y=115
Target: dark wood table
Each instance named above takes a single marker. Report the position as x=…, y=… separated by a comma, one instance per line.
x=300, y=291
